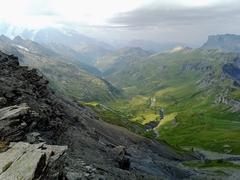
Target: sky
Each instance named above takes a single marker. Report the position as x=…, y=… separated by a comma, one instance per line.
x=187, y=21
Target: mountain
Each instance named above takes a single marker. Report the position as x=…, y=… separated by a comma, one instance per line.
x=68, y=76
x=67, y=37
x=87, y=54
x=79, y=46
x=33, y=47
x=225, y=42
x=151, y=45
x=193, y=93
x=120, y=58
x=31, y=112
x=64, y=41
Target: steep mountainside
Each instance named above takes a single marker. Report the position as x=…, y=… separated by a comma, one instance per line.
x=31, y=112
x=120, y=59
x=225, y=42
x=68, y=76
x=193, y=93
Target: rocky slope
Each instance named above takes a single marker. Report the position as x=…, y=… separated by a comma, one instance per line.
x=31, y=112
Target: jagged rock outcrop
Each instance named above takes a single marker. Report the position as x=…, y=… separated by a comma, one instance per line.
x=12, y=121
x=28, y=161
x=96, y=150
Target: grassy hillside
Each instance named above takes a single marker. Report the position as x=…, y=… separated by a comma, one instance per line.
x=77, y=83
x=199, y=100
x=115, y=117
x=72, y=79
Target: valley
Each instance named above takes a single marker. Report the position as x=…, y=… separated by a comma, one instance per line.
x=187, y=99
x=197, y=90
x=199, y=99
x=120, y=90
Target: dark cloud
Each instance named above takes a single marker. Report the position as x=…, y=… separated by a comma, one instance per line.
x=157, y=16
x=182, y=24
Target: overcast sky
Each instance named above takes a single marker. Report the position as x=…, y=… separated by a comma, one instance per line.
x=189, y=21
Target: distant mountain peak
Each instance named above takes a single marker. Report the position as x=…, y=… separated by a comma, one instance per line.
x=225, y=42
x=2, y=35
x=4, y=38
x=18, y=39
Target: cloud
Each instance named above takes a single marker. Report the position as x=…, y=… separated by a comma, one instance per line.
x=173, y=20
x=89, y=12
x=183, y=21
x=177, y=16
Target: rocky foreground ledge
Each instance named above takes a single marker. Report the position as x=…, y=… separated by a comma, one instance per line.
x=28, y=161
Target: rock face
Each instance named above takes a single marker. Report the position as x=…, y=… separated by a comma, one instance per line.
x=30, y=112
x=26, y=161
x=12, y=121
x=233, y=71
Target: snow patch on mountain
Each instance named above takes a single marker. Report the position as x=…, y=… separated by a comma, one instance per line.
x=23, y=48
